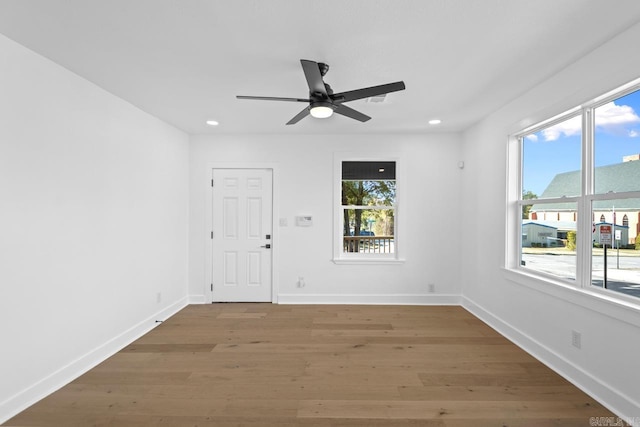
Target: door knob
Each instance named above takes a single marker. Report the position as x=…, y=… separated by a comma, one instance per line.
x=268, y=246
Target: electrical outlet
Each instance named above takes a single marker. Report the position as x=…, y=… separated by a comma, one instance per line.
x=576, y=339
x=431, y=288
x=159, y=297
x=301, y=283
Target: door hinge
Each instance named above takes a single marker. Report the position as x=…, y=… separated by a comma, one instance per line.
x=212, y=234
x=212, y=287
x=212, y=182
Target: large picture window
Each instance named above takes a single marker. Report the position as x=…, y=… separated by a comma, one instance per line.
x=578, y=204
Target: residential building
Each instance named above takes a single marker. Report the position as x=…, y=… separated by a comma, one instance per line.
x=617, y=177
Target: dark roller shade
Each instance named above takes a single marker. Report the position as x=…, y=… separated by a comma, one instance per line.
x=368, y=171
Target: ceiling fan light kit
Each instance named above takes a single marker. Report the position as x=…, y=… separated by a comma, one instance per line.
x=321, y=110
x=322, y=101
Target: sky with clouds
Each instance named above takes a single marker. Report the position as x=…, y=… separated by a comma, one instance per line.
x=557, y=148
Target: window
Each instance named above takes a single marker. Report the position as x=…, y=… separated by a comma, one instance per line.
x=551, y=181
x=616, y=193
x=581, y=165
x=366, y=219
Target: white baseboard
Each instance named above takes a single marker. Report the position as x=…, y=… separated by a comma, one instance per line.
x=614, y=400
x=372, y=299
x=197, y=299
x=22, y=400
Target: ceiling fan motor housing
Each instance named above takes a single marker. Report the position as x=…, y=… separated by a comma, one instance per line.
x=328, y=104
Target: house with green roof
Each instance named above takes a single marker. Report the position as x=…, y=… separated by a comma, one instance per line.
x=619, y=177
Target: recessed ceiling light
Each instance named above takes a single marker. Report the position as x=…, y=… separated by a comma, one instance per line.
x=435, y=121
x=212, y=123
x=381, y=170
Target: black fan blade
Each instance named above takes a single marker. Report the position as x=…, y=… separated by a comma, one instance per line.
x=272, y=98
x=301, y=115
x=313, y=76
x=368, y=92
x=350, y=112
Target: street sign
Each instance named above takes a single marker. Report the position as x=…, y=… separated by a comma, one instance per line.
x=618, y=234
x=605, y=234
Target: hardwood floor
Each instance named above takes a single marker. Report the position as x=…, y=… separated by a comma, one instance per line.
x=284, y=365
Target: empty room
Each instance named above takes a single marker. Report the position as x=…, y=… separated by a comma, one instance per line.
x=337, y=213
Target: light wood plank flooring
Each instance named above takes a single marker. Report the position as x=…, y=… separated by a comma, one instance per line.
x=286, y=365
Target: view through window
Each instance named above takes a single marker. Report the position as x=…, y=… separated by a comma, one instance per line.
x=551, y=159
x=557, y=192
x=368, y=207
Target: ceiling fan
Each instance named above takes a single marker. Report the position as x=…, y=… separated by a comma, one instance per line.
x=322, y=101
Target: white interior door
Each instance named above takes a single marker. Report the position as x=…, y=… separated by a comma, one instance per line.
x=242, y=235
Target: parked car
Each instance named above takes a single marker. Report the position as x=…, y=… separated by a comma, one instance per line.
x=365, y=233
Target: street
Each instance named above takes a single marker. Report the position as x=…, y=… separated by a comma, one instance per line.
x=625, y=279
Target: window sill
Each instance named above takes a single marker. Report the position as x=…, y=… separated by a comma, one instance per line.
x=591, y=299
x=368, y=261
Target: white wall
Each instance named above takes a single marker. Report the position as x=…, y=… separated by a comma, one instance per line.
x=304, y=181
x=93, y=224
x=95, y=198
x=541, y=317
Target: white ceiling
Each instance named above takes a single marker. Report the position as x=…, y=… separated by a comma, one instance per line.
x=185, y=60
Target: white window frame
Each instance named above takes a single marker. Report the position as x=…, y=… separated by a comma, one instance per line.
x=584, y=201
x=339, y=257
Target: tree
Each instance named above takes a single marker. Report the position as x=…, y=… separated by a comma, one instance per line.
x=364, y=193
x=571, y=240
x=527, y=195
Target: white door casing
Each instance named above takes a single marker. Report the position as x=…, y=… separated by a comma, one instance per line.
x=242, y=235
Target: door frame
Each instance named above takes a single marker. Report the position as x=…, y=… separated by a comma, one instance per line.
x=275, y=237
